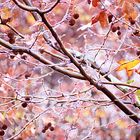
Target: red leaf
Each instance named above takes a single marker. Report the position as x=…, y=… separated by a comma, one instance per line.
x=95, y=3
x=95, y=19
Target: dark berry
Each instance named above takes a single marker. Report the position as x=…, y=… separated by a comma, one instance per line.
x=15, y=52
x=27, y=98
x=71, y=22
x=118, y=27
x=10, y=35
x=24, y=104
x=12, y=56
x=4, y=21
x=118, y=33
x=41, y=50
x=49, y=124
x=24, y=57
x=20, y=52
x=4, y=127
x=2, y=132
x=76, y=16
x=27, y=75
x=136, y=33
x=110, y=18
x=51, y=128
x=138, y=53
x=43, y=130
x=88, y=1
x=46, y=127
x=114, y=29
x=12, y=40
x=19, y=138
x=132, y=21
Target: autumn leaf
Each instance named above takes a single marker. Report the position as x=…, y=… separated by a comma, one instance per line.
x=121, y=124
x=128, y=66
x=95, y=3
x=95, y=19
x=127, y=7
x=103, y=19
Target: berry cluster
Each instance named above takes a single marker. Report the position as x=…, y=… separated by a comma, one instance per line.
x=2, y=129
x=25, y=104
x=72, y=21
x=116, y=28
x=48, y=126
x=11, y=37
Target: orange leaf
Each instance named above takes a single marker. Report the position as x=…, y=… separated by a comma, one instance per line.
x=95, y=3
x=103, y=19
x=129, y=10
x=129, y=73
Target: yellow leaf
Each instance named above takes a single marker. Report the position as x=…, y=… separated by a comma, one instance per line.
x=6, y=13
x=121, y=124
x=128, y=65
x=69, y=119
x=86, y=112
x=100, y=113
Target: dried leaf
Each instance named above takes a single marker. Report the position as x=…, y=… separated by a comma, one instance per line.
x=103, y=19
x=129, y=10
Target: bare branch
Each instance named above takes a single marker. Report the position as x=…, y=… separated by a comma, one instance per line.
x=41, y=59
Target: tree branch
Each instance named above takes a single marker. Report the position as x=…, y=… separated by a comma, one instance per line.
x=41, y=59
x=109, y=94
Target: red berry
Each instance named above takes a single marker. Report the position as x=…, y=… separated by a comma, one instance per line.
x=10, y=35
x=12, y=40
x=76, y=16
x=114, y=29
x=24, y=104
x=71, y=22
x=41, y=50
